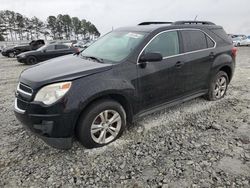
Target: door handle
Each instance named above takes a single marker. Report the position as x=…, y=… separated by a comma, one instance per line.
x=179, y=64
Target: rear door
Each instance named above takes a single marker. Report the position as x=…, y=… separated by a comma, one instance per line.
x=199, y=53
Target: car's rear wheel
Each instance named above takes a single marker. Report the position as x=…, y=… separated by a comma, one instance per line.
x=11, y=55
x=101, y=123
x=218, y=86
x=31, y=60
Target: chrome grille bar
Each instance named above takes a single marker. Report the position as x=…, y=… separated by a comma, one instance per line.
x=22, y=91
x=17, y=108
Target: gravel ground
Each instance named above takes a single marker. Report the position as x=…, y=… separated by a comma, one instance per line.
x=195, y=144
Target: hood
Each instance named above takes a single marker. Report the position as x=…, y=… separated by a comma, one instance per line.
x=63, y=68
x=32, y=52
x=21, y=46
x=8, y=49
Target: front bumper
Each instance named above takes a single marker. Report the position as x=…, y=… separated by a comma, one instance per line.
x=4, y=53
x=21, y=59
x=55, y=129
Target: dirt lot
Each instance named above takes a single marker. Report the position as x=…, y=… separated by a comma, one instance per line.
x=196, y=144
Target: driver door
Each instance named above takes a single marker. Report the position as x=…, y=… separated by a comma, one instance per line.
x=159, y=81
x=48, y=53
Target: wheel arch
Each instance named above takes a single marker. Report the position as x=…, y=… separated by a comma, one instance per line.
x=224, y=62
x=227, y=69
x=116, y=96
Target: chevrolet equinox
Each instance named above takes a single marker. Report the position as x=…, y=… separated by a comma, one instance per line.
x=127, y=73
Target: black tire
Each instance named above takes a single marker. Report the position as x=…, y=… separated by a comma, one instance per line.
x=212, y=95
x=31, y=60
x=11, y=55
x=91, y=114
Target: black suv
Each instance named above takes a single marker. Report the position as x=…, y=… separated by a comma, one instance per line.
x=128, y=73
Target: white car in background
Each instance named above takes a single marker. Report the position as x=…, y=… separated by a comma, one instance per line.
x=237, y=41
x=245, y=41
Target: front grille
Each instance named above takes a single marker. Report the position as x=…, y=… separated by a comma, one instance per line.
x=24, y=90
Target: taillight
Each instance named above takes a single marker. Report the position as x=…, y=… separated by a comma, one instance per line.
x=234, y=51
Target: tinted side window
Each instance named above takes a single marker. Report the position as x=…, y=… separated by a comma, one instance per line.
x=50, y=47
x=194, y=40
x=166, y=43
x=59, y=47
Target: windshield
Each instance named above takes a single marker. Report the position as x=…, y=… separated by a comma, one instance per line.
x=114, y=46
x=42, y=48
x=236, y=39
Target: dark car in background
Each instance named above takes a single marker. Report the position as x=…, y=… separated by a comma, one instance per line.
x=5, y=47
x=126, y=74
x=14, y=51
x=33, y=45
x=46, y=52
x=10, y=50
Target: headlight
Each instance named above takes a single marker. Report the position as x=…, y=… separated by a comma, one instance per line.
x=52, y=93
x=22, y=55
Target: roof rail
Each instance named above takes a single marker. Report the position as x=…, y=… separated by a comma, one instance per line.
x=151, y=23
x=193, y=22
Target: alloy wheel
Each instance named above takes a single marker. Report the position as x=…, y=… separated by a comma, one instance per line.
x=106, y=126
x=31, y=60
x=220, y=87
x=11, y=55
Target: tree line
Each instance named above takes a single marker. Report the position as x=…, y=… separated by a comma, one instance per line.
x=15, y=26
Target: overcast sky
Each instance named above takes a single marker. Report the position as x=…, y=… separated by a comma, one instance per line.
x=233, y=15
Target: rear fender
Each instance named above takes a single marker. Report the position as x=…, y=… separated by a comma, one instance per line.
x=223, y=60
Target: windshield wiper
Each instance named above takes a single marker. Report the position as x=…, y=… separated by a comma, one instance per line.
x=100, y=60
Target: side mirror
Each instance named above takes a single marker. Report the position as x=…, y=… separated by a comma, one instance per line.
x=44, y=50
x=150, y=56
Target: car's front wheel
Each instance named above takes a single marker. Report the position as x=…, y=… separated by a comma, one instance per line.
x=31, y=60
x=11, y=55
x=218, y=86
x=101, y=123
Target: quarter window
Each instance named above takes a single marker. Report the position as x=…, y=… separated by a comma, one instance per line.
x=167, y=44
x=195, y=40
x=210, y=43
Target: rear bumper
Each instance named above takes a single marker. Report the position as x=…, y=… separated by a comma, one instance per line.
x=54, y=129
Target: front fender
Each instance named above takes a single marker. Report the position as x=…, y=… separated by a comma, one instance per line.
x=97, y=89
